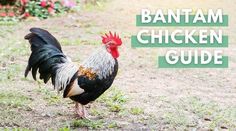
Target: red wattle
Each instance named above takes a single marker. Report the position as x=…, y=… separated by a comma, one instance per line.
x=115, y=53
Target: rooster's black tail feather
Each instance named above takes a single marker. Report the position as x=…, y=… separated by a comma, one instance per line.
x=42, y=35
x=46, y=54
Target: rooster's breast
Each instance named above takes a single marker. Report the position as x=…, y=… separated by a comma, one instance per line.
x=93, y=84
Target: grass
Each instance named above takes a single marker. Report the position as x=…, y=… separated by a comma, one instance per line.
x=14, y=48
x=114, y=100
x=94, y=124
x=187, y=112
x=8, y=23
x=16, y=129
x=9, y=116
x=98, y=112
x=136, y=111
x=13, y=99
x=67, y=42
x=10, y=52
x=95, y=5
x=176, y=119
x=212, y=112
x=112, y=125
x=11, y=72
x=64, y=129
x=12, y=105
x=51, y=97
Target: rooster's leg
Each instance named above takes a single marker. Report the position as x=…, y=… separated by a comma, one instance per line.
x=84, y=111
x=80, y=110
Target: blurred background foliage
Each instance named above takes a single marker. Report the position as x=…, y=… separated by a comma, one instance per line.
x=15, y=10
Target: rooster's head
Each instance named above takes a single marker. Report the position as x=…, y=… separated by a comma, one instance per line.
x=112, y=41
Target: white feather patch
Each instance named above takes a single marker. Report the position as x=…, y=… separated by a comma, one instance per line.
x=75, y=89
x=101, y=62
x=64, y=74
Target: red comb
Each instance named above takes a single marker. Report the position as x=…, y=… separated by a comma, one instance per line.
x=110, y=37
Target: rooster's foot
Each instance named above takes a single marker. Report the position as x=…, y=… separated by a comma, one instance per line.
x=80, y=111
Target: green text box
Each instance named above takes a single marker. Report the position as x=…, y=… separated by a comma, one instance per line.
x=162, y=63
x=136, y=44
x=182, y=22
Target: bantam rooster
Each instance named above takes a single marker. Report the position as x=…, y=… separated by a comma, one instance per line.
x=83, y=83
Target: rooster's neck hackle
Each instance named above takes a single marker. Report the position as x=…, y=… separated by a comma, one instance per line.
x=100, y=62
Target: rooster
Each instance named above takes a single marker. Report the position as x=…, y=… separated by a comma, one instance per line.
x=83, y=83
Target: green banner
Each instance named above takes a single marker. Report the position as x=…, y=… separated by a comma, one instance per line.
x=182, y=22
x=162, y=63
x=137, y=44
